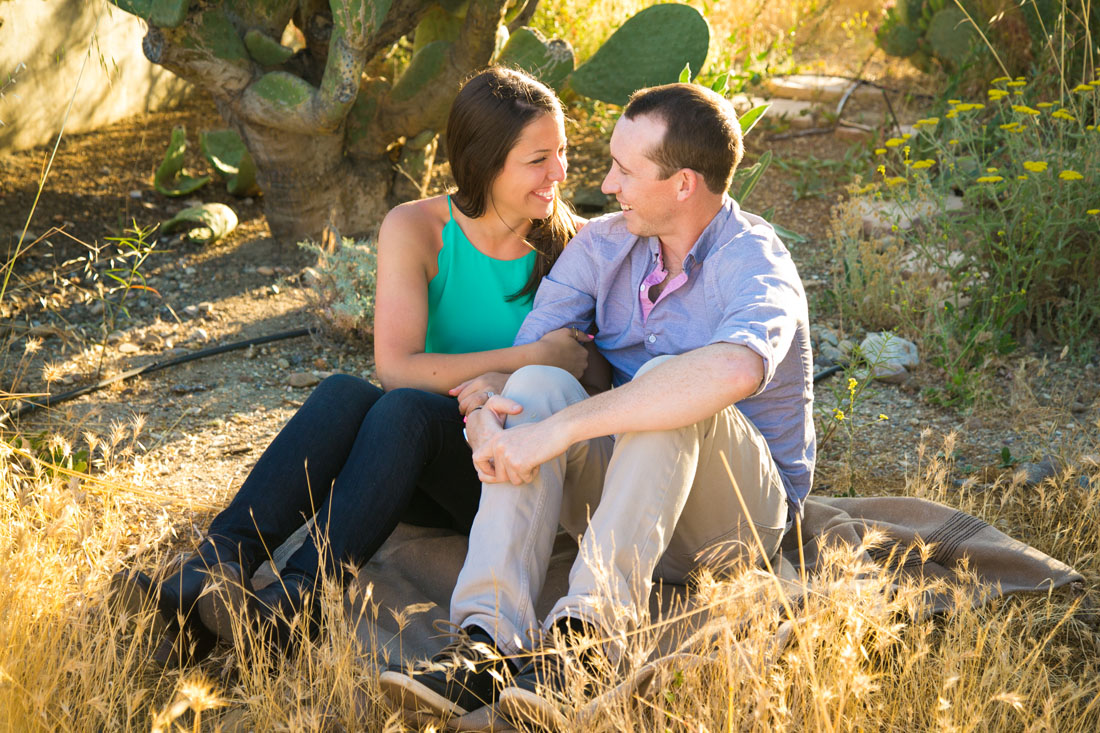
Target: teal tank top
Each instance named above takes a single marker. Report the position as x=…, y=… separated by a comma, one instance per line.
x=468, y=306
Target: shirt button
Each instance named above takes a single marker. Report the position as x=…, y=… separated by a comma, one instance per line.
x=642, y=288
x=652, y=338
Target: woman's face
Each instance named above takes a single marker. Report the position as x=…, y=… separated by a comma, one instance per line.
x=526, y=186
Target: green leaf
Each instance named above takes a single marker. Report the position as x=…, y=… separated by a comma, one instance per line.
x=169, y=179
x=744, y=181
x=750, y=118
x=721, y=84
x=685, y=73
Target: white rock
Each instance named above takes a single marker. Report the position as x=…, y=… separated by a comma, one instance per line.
x=818, y=88
x=302, y=379
x=191, y=310
x=265, y=270
x=128, y=348
x=889, y=356
x=135, y=194
x=880, y=217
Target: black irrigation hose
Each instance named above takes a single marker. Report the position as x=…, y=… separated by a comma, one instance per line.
x=51, y=400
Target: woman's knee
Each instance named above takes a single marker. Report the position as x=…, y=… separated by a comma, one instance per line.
x=406, y=405
x=343, y=391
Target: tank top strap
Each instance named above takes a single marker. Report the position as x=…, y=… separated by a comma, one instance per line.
x=450, y=210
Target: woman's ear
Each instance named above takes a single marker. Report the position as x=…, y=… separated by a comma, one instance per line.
x=687, y=182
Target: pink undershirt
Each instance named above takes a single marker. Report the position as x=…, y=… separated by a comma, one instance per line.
x=654, y=278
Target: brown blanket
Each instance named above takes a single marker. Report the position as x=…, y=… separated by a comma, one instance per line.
x=416, y=569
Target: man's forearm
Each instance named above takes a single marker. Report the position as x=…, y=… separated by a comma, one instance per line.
x=681, y=391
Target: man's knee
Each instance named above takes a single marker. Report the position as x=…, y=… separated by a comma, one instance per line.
x=542, y=390
x=652, y=363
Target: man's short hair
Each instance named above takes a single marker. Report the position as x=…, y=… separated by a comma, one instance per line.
x=701, y=131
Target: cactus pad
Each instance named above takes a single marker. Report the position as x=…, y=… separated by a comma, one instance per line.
x=898, y=40
x=424, y=67
x=950, y=33
x=265, y=49
x=140, y=8
x=216, y=34
x=226, y=152
x=436, y=25
x=550, y=62
x=169, y=179
x=168, y=13
x=205, y=224
x=650, y=48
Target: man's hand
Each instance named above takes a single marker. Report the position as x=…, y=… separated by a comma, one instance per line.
x=474, y=392
x=514, y=455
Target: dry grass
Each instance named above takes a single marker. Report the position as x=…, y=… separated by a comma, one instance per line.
x=857, y=657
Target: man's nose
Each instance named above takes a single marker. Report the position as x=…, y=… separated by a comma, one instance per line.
x=610, y=184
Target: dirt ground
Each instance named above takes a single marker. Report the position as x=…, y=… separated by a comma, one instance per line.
x=203, y=424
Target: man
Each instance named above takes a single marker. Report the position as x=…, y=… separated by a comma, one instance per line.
x=700, y=311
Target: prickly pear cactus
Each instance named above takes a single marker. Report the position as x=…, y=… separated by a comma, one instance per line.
x=950, y=34
x=548, y=61
x=651, y=48
x=898, y=40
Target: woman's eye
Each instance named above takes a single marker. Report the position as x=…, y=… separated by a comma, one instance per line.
x=538, y=160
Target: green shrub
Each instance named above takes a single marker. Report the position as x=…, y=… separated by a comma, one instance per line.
x=343, y=284
x=1021, y=257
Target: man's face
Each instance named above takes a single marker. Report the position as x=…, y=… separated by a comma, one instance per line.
x=635, y=180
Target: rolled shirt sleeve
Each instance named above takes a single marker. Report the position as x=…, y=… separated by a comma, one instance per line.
x=566, y=298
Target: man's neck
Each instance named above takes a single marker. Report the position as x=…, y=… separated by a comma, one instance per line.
x=675, y=247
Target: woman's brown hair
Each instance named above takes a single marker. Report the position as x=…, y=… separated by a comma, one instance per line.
x=486, y=119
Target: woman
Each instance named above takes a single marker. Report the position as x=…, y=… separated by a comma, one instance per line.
x=456, y=276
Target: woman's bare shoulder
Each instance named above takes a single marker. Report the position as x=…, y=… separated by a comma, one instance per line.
x=415, y=223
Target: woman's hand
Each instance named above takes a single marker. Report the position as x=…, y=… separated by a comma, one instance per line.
x=564, y=348
x=473, y=393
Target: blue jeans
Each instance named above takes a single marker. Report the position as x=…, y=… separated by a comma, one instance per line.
x=359, y=460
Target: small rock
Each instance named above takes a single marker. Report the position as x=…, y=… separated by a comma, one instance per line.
x=193, y=411
x=251, y=353
x=189, y=270
x=282, y=363
x=827, y=354
x=191, y=311
x=819, y=88
x=152, y=341
x=265, y=270
x=105, y=170
x=128, y=348
x=245, y=378
x=1084, y=482
x=135, y=194
x=95, y=308
x=200, y=334
x=302, y=379
x=115, y=337
x=847, y=346
x=206, y=307
x=320, y=363
x=324, y=375
x=188, y=388
x=810, y=285
x=174, y=352
x=827, y=336
x=248, y=201
x=1033, y=474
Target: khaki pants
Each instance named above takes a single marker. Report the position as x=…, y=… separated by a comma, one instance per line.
x=645, y=505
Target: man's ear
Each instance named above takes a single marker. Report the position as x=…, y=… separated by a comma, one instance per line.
x=687, y=183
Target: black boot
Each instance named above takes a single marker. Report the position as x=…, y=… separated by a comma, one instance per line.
x=268, y=613
x=182, y=639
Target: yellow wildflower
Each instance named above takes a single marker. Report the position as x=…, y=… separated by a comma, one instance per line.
x=952, y=141
x=1021, y=177
x=1061, y=114
x=992, y=170
x=1082, y=88
x=893, y=142
x=1018, y=93
x=970, y=106
x=953, y=102
x=990, y=179
x=952, y=113
x=838, y=413
x=1017, y=84
x=1095, y=83
x=1045, y=105
x=1035, y=166
x=894, y=180
x=1092, y=212
x=852, y=384
x=1001, y=79
x=929, y=121
x=1070, y=175
x=880, y=151
x=995, y=94
x=926, y=163
x=1024, y=109
x=883, y=416
x=1090, y=128
x=906, y=136
x=1011, y=126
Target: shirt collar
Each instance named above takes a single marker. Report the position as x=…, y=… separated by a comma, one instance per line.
x=716, y=233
